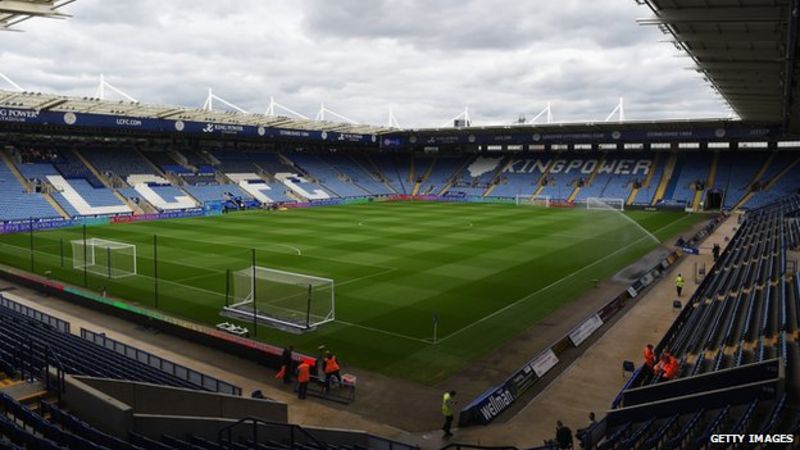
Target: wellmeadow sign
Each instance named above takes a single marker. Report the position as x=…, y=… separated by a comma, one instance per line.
x=87, y=120
x=495, y=400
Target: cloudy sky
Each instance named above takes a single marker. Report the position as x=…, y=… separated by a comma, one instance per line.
x=428, y=59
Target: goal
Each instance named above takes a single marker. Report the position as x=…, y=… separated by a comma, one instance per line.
x=606, y=204
x=111, y=259
x=290, y=301
x=527, y=200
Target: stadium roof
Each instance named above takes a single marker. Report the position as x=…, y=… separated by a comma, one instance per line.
x=126, y=108
x=13, y=12
x=665, y=125
x=746, y=49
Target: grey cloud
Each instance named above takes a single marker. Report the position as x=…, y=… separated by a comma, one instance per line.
x=427, y=59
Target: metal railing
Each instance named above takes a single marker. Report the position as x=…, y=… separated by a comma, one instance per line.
x=52, y=360
x=295, y=433
x=54, y=322
x=382, y=443
x=192, y=376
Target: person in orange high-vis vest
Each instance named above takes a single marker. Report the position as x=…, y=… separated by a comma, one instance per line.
x=671, y=369
x=649, y=357
x=331, y=370
x=303, y=377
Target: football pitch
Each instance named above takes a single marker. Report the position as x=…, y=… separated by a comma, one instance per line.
x=485, y=271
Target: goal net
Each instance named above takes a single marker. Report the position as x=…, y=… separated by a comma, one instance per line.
x=290, y=301
x=605, y=204
x=538, y=200
x=111, y=259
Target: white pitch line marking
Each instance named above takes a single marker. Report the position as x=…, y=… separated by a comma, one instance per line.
x=555, y=283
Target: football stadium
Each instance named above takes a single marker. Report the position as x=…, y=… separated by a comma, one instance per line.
x=182, y=277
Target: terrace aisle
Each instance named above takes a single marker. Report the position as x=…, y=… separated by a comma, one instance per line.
x=592, y=382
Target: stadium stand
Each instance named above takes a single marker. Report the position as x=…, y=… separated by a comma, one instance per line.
x=735, y=333
x=562, y=177
x=70, y=166
x=387, y=168
x=36, y=348
x=735, y=174
x=744, y=180
x=16, y=203
x=329, y=176
x=119, y=161
x=520, y=177
x=689, y=176
x=434, y=174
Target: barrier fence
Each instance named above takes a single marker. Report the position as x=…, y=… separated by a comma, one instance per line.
x=198, y=379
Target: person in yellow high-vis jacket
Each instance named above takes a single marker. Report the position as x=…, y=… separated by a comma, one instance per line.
x=679, y=282
x=448, y=403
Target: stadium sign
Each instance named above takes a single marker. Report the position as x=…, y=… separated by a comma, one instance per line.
x=587, y=167
x=108, y=121
x=496, y=403
x=497, y=399
x=585, y=329
x=526, y=137
x=17, y=115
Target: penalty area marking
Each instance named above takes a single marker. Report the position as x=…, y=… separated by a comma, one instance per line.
x=291, y=247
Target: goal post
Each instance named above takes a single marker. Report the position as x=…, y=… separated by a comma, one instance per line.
x=290, y=301
x=605, y=204
x=542, y=201
x=111, y=259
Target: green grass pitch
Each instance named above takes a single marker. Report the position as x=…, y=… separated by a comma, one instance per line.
x=487, y=271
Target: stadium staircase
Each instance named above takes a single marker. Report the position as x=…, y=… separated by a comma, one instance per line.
x=588, y=181
x=425, y=177
x=781, y=174
x=454, y=178
x=59, y=209
x=666, y=177
x=109, y=184
x=545, y=174
x=412, y=175
x=103, y=179
x=712, y=176
x=760, y=174
x=498, y=175
x=181, y=159
x=646, y=183
x=373, y=172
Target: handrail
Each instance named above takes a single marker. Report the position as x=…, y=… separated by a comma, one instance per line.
x=35, y=314
x=227, y=432
x=458, y=446
x=392, y=444
x=51, y=355
x=205, y=382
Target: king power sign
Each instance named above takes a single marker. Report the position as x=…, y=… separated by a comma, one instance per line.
x=583, y=166
x=18, y=115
